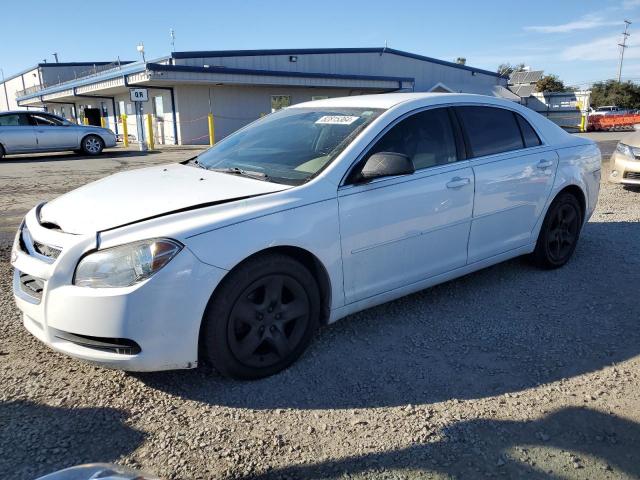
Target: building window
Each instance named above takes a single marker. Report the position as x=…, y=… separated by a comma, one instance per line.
x=158, y=107
x=280, y=101
x=319, y=97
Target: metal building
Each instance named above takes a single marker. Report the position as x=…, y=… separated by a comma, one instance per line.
x=240, y=86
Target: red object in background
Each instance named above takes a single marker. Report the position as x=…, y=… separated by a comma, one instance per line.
x=613, y=122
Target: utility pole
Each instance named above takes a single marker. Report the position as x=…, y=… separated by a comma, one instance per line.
x=172, y=35
x=623, y=46
x=140, y=49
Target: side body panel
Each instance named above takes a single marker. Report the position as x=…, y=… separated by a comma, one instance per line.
x=313, y=227
x=511, y=192
x=56, y=137
x=16, y=139
x=401, y=230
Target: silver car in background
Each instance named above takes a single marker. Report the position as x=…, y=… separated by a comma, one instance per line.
x=31, y=132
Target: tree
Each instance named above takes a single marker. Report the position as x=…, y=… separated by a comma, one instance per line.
x=550, y=83
x=611, y=92
x=507, y=69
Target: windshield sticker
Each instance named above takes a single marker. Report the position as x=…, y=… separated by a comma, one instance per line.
x=337, y=120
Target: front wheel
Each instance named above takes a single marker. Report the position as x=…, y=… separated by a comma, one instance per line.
x=92, y=145
x=1, y=152
x=261, y=318
x=559, y=234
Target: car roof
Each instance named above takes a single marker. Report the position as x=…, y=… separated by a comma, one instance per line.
x=13, y=112
x=389, y=100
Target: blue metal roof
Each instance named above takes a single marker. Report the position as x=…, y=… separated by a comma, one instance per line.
x=311, y=51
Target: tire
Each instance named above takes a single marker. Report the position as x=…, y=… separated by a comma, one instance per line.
x=250, y=328
x=92, y=145
x=559, y=234
x=1, y=152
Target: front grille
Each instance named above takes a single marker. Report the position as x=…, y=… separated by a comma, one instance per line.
x=122, y=346
x=30, y=246
x=632, y=175
x=31, y=285
x=46, y=250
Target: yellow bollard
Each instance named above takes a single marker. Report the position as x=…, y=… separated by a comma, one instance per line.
x=150, y=131
x=212, y=133
x=125, y=133
x=103, y=123
x=583, y=121
x=85, y=120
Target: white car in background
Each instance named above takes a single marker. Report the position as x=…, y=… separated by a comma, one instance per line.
x=303, y=217
x=607, y=110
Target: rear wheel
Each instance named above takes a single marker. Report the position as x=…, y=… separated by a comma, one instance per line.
x=261, y=318
x=1, y=152
x=560, y=232
x=92, y=145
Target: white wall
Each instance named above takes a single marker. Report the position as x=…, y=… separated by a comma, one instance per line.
x=16, y=84
x=233, y=107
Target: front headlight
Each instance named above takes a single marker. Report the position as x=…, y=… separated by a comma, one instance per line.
x=125, y=265
x=628, y=150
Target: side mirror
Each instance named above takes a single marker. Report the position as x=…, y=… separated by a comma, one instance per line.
x=386, y=164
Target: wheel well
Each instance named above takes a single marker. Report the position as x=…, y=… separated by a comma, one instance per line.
x=316, y=268
x=91, y=135
x=577, y=192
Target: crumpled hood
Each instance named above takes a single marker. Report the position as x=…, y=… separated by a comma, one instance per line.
x=136, y=195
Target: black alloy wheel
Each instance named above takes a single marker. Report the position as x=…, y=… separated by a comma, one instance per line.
x=563, y=232
x=261, y=317
x=559, y=233
x=268, y=321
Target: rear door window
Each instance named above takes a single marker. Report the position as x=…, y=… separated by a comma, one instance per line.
x=12, y=120
x=490, y=130
x=529, y=135
x=44, y=120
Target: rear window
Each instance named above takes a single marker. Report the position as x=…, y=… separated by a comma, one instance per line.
x=529, y=135
x=490, y=130
x=12, y=120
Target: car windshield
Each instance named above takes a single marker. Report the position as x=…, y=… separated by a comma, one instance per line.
x=289, y=146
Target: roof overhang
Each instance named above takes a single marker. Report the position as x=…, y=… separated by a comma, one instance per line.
x=239, y=76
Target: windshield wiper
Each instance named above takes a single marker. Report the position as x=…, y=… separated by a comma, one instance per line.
x=195, y=162
x=244, y=173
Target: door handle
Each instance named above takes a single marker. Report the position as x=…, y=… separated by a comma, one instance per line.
x=545, y=164
x=457, y=182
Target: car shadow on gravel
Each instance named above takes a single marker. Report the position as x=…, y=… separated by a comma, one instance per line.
x=69, y=156
x=504, y=329
x=569, y=440
x=63, y=437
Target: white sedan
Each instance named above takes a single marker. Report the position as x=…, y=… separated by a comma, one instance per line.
x=303, y=217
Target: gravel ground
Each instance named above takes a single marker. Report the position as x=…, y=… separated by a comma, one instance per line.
x=507, y=372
